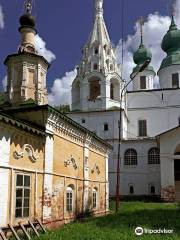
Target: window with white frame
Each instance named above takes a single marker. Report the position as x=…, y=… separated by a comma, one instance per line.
x=142, y=124
x=22, y=204
x=94, y=198
x=69, y=199
x=130, y=157
x=154, y=156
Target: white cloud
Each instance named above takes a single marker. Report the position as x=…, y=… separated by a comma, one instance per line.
x=42, y=50
x=1, y=18
x=61, y=89
x=155, y=28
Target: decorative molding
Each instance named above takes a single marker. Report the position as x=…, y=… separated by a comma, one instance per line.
x=29, y=149
x=72, y=161
x=96, y=169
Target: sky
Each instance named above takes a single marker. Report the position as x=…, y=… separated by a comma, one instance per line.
x=64, y=26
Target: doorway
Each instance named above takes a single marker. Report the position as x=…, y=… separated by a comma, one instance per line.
x=177, y=179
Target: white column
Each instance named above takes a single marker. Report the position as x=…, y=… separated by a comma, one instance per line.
x=4, y=176
x=48, y=179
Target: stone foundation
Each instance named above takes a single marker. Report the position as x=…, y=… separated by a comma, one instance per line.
x=168, y=193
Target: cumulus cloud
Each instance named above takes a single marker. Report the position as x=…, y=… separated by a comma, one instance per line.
x=155, y=28
x=1, y=18
x=61, y=90
x=42, y=50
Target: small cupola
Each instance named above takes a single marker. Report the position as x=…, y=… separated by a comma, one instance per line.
x=144, y=80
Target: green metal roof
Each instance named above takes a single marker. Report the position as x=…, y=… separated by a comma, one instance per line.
x=171, y=45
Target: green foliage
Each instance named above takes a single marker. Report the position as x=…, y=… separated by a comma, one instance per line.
x=63, y=108
x=121, y=226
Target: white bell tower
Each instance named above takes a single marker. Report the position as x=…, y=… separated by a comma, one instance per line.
x=98, y=81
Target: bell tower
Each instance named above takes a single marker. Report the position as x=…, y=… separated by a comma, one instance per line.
x=98, y=83
x=26, y=70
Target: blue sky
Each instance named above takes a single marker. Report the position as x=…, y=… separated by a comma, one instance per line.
x=65, y=26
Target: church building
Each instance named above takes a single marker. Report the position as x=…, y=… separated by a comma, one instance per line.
x=51, y=168
x=150, y=144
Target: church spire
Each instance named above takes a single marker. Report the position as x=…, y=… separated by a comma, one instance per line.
x=98, y=7
x=98, y=70
x=141, y=23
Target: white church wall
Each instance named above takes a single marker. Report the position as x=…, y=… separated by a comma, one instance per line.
x=161, y=112
x=140, y=176
x=165, y=75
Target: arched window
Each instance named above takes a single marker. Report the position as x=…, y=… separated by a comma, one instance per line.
x=94, y=198
x=131, y=189
x=153, y=156
x=95, y=89
x=96, y=50
x=111, y=67
x=111, y=91
x=130, y=157
x=95, y=66
x=69, y=199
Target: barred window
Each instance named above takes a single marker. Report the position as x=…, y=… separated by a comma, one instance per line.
x=154, y=156
x=142, y=128
x=69, y=199
x=94, y=198
x=130, y=157
x=22, y=196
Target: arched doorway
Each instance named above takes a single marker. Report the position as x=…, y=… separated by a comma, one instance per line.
x=177, y=173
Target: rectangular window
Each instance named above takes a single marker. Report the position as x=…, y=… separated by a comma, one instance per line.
x=143, y=82
x=142, y=128
x=69, y=201
x=22, y=196
x=175, y=80
x=106, y=127
x=94, y=199
x=31, y=76
x=83, y=120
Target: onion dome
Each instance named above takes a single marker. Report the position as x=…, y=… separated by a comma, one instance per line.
x=171, y=45
x=27, y=20
x=140, y=57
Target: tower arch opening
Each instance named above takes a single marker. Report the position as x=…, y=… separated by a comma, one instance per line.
x=114, y=89
x=94, y=88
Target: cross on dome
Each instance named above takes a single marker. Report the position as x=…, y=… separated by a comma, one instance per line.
x=141, y=23
x=28, y=6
